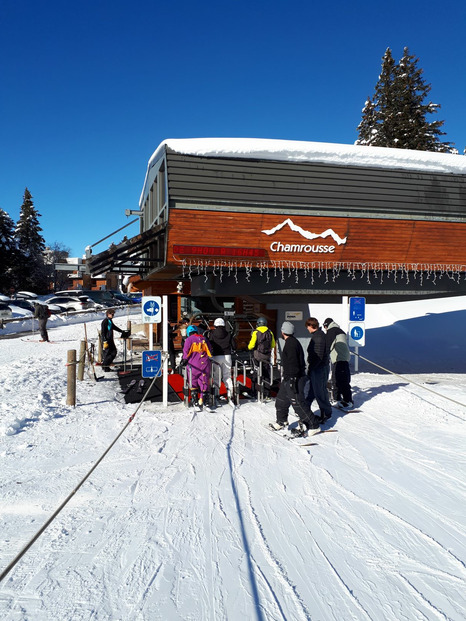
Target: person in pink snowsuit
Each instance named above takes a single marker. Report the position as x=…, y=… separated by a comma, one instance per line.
x=197, y=353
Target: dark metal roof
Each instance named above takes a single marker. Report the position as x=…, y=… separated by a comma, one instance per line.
x=131, y=256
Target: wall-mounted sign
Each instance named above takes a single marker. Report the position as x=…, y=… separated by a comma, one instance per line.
x=214, y=251
x=293, y=315
x=317, y=248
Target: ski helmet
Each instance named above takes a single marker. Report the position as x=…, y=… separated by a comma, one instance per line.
x=261, y=321
x=191, y=330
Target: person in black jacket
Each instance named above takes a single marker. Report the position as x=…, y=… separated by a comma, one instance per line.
x=222, y=345
x=42, y=313
x=108, y=343
x=318, y=360
x=291, y=391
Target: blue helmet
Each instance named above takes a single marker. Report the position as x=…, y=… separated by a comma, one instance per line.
x=191, y=330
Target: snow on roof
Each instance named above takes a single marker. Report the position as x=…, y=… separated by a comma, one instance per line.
x=300, y=151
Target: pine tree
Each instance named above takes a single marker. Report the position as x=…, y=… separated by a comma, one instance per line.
x=397, y=116
x=30, y=269
x=367, y=128
x=8, y=252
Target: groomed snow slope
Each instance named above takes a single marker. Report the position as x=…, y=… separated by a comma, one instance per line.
x=211, y=516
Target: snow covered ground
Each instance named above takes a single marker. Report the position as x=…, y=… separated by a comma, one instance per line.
x=209, y=516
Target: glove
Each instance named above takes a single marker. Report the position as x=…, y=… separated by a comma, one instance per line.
x=105, y=345
x=183, y=362
x=125, y=334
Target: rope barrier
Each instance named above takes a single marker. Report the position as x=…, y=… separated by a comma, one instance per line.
x=68, y=498
x=409, y=381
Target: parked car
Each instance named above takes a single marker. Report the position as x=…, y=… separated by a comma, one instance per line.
x=5, y=311
x=55, y=309
x=26, y=295
x=71, y=303
x=122, y=297
x=22, y=303
x=136, y=296
x=104, y=298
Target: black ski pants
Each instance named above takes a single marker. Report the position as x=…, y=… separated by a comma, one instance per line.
x=291, y=392
x=341, y=381
x=109, y=354
x=43, y=329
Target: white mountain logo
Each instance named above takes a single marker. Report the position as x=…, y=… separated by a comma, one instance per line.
x=306, y=234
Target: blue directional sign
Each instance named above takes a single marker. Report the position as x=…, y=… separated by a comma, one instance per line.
x=357, y=335
x=151, y=363
x=151, y=309
x=357, y=309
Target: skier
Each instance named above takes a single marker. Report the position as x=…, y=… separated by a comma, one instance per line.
x=261, y=344
x=222, y=344
x=291, y=391
x=196, y=355
x=318, y=360
x=339, y=358
x=42, y=313
x=108, y=343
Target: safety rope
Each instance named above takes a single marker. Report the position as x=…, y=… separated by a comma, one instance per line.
x=66, y=501
x=406, y=379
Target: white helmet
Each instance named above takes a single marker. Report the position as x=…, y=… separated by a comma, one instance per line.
x=219, y=322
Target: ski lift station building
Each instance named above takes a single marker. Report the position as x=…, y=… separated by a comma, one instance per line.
x=280, y=223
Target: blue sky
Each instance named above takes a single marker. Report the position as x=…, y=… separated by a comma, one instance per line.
x=89, y=89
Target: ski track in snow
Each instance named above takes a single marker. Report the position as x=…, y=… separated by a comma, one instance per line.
x=208, y=516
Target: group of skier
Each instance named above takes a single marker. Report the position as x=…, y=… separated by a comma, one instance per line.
x=304, y=379
x=300, y=386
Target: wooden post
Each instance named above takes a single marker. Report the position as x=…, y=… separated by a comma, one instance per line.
x=99, y=349
x=71, y=378
x=128, y=327
x=82, y=360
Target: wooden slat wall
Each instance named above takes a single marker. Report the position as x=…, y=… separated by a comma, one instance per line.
x=356, y=190
x=368, y=239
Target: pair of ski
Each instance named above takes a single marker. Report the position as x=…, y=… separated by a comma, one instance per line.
x=303, y=440
x=208, y=407
x=133, y=383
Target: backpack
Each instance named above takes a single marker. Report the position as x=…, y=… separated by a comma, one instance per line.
x=264, y=345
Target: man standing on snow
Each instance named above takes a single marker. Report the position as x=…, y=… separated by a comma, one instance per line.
x=291, y=391
x=261, y=344
x=106, y=330
x=222, y=344
x=42, y=313
x=318, y=361
x=339, y=358
x=196, y=356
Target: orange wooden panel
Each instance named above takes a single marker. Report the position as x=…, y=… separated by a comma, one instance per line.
x=366, y=239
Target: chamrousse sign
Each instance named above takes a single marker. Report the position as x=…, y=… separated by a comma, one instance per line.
x=329, y=248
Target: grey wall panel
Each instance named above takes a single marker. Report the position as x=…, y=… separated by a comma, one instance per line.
x=358, y=190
